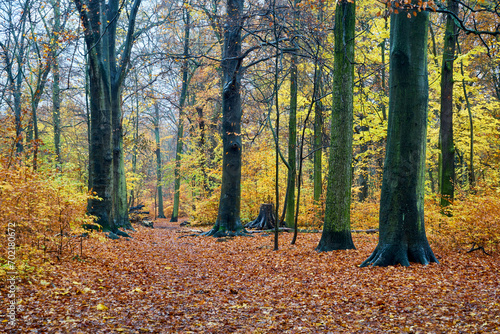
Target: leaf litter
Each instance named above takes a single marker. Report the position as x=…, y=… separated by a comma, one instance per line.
x=160, y=283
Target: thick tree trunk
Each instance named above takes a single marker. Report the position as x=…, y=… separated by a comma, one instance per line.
x=120, y=205
x=447, y=161
x=107, y=178
x=266, y=219
x=337, y=226
x=401, y=222
x=100, y=155
x=228, y=217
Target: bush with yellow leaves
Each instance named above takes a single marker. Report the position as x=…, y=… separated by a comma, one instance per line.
x=472, y=222
x=41, y=213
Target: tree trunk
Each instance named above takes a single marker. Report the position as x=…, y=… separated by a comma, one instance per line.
x=100, y=155
x=228, y=217
x=161, y=214
x=318, y=128
x=266, y=219
x=318, y=144
x=56, y=92
x=120, y=205
x=401, y=222
x=292, y=145
x=447, y=161
x=107, y=178
x=180, y=127
x=131, y=200
x=337, y=226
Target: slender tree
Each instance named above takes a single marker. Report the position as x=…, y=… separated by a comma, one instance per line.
x=56, y=92
x=180, y=126
x=292, y=133
x=13, y=48
x=337, y=226
x=447, y=161
x=401, y=222
x=156, y=121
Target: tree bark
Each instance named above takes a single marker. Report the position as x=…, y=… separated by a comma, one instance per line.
x=337, y=226
x=401, y=222
x=447, y=161
x=266, y=219
x=228, y=217
x=318, y=127
x=107, y=178
x=292, y=145
x=161, y=214
x=56, y=92
x=180, y=127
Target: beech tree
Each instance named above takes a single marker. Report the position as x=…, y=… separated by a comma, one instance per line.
x=337, y=226
x=108, y=67
x=447, y=161
x=402, y=236
x=228, y=217
x=180, y=126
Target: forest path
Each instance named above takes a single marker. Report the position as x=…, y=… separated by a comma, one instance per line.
x=160, y=283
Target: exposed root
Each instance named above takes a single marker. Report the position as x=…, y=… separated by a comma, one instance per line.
x=394, y=254
x=474, y=248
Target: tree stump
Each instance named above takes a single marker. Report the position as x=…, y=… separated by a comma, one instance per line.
x=265, y=220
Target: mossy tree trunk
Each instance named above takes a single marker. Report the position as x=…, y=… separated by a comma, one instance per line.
x=107, y=74
x=447, y=161
x=401, y=222
x=337, y=226
x=228, y=217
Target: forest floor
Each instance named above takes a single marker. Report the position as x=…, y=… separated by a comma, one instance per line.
x=157, y=282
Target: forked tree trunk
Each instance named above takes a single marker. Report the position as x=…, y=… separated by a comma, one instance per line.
x=107, y=73
x=337, y=226
x=401, y=222
x=228, y=217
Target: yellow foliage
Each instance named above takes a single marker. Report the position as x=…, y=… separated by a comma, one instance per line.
x=39, y=211
x=472, y=221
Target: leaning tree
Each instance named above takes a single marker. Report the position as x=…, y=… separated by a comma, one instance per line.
x=401, y=221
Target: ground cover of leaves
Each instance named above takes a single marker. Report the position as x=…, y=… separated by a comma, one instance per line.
x=160, y=283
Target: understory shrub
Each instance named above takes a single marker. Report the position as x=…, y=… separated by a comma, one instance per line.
x=41, y=214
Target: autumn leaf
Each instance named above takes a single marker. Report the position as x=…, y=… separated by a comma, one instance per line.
x=101, y=307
